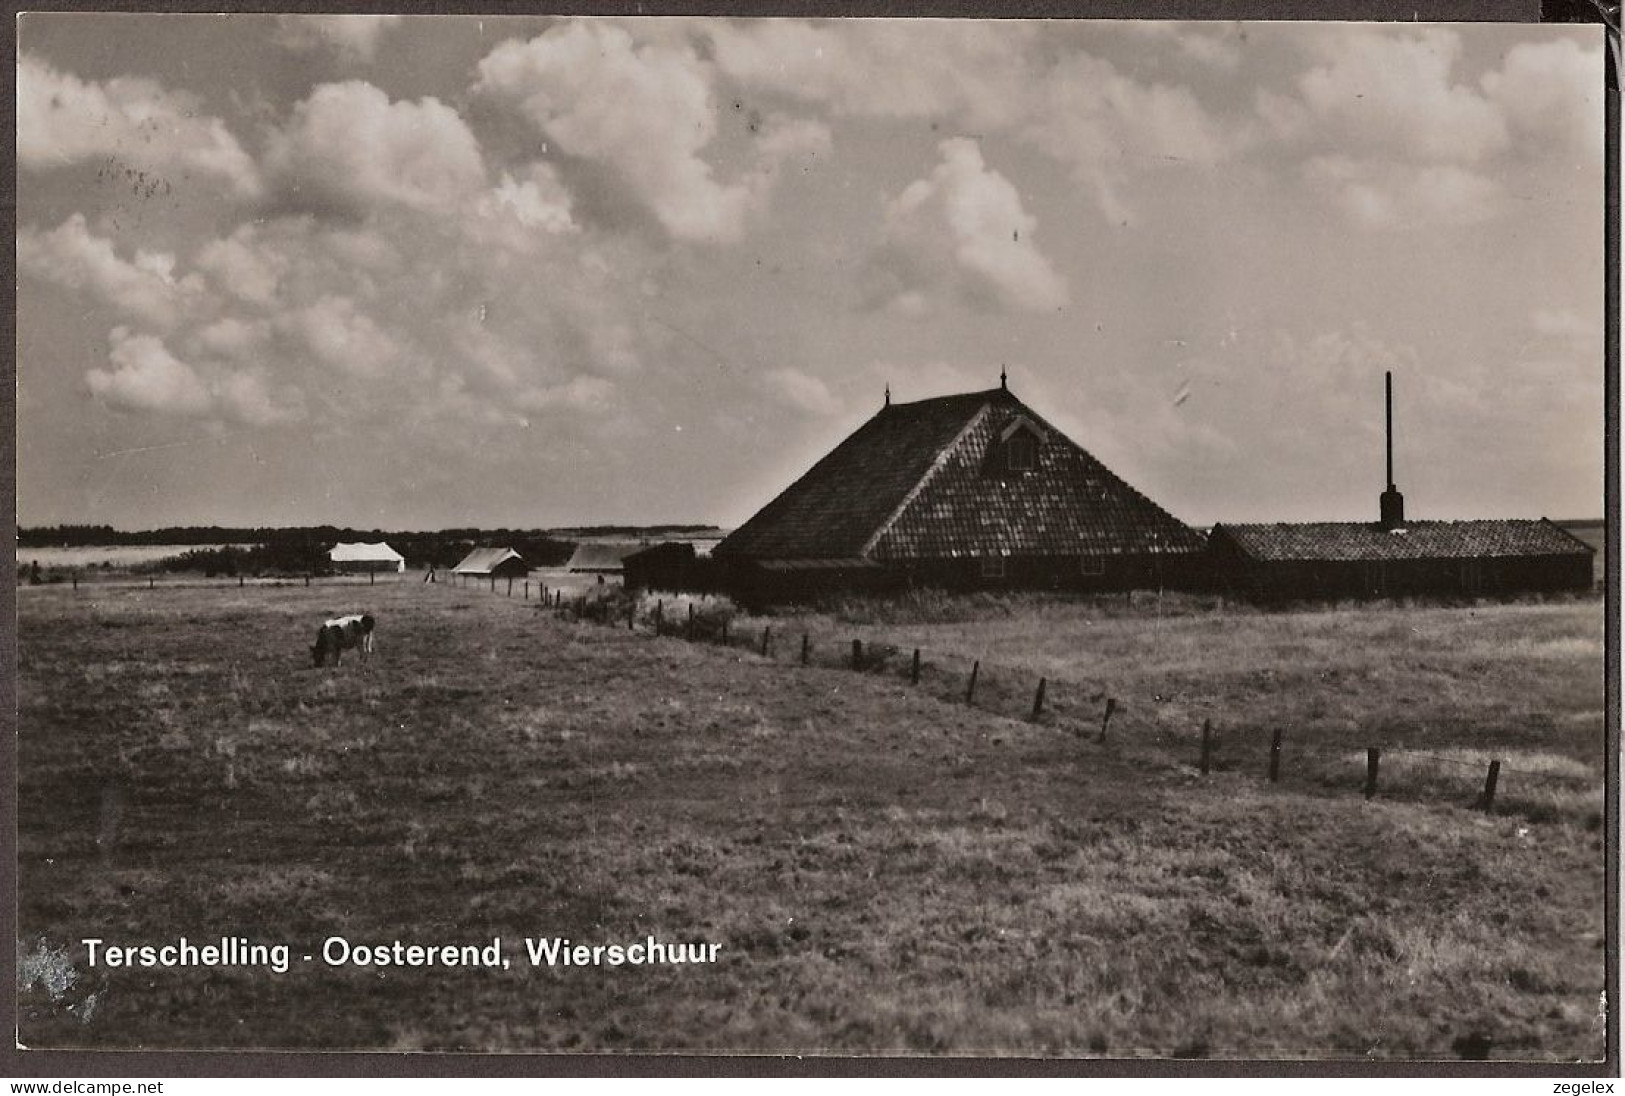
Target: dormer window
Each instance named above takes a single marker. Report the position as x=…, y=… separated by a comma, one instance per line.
x=1020, y=442
x=1021, y=453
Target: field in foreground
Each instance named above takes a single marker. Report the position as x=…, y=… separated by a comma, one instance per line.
x=887, y=870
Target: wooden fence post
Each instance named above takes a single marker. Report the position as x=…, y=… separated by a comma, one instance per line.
x=1372, y=754
x=493, y=584
x=510, y=587
x=804, y=646
x=660, y=615
x=1275, y=757
x=527, y=592
x=1105, y=720
x=767, y=632
x=307, y=580
x=857, y=654
x=372, y=577
x=1490, y=780
x=75, y=577
x=150, y=581
x=1038, y=699
x=239, y=582
x=914, y=669
x=690, y=620
x=970, y=690
x=724, y=633
x=1207, y=744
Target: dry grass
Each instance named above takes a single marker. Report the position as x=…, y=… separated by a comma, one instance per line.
x=888, y=870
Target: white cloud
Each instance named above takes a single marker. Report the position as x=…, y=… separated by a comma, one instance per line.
x=1382, y=194
x=1396, y=92
x=239, y=266
x=348, y=145
x=352, y=37
x=646, y=111
x=537, y=200
x=147, y=377
x=798, y=390
x=73, y=256
x=346, y=338
x=63, y=120
x=1551, y=93
x=963, y=231
x=579, y=393
x=232, y=338
x=1397, y=133
x=246, y=398
x=884, y=68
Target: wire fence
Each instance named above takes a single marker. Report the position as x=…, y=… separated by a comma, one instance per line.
x=1085, y=709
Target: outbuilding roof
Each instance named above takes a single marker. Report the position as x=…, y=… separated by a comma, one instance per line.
x=1362, y=541
x=921, y=480
x=484, y=561
x=601, y=555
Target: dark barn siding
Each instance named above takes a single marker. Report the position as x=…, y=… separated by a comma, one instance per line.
x=1242, y=573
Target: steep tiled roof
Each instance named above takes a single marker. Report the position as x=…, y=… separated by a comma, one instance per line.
x=916, y=481
x=1357, y=541
x=482, y=561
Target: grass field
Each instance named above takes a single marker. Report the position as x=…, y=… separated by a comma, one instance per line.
x=886, y=869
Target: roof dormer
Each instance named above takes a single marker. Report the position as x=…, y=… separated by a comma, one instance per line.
x=1020, y=445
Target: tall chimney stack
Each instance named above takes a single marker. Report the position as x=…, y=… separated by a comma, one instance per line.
x=1392, y=503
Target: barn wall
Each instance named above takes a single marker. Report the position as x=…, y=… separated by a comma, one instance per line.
x=755, y=585
x=1283, y=580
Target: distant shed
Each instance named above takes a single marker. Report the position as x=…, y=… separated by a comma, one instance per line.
x=1369, y=559
x=602, y=557
x=493, y=563
x=673, y=565
x=361, y=557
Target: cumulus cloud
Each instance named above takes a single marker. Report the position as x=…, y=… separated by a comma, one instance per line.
x=1397, y=133
x=63, y=120
x=239, y=267
x=883, y=68
x=1397, y=93
x=349, y=148
x=147, y=377
x=346, y=338
x=536, y=199
x=644, y=111
x=962, y=231
x=352, y=37
x=71, y=255
x=1551, y=94
x=1382, y=194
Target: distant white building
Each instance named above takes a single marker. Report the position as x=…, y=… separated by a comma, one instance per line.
x=362, y=557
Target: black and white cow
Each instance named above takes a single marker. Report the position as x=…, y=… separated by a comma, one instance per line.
x=341, y=634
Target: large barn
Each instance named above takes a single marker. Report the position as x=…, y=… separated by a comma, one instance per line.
x=959, y=492
x=1393, y=557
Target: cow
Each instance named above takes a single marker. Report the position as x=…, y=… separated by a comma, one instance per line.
x=341, y=633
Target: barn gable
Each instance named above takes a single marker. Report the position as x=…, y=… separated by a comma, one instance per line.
x=1052, y=498
x=936, y=480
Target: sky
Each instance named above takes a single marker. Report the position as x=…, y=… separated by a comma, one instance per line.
x=435, y=271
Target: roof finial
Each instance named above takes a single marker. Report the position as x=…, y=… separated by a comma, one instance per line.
x=888, y=393
x=1004, y=378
